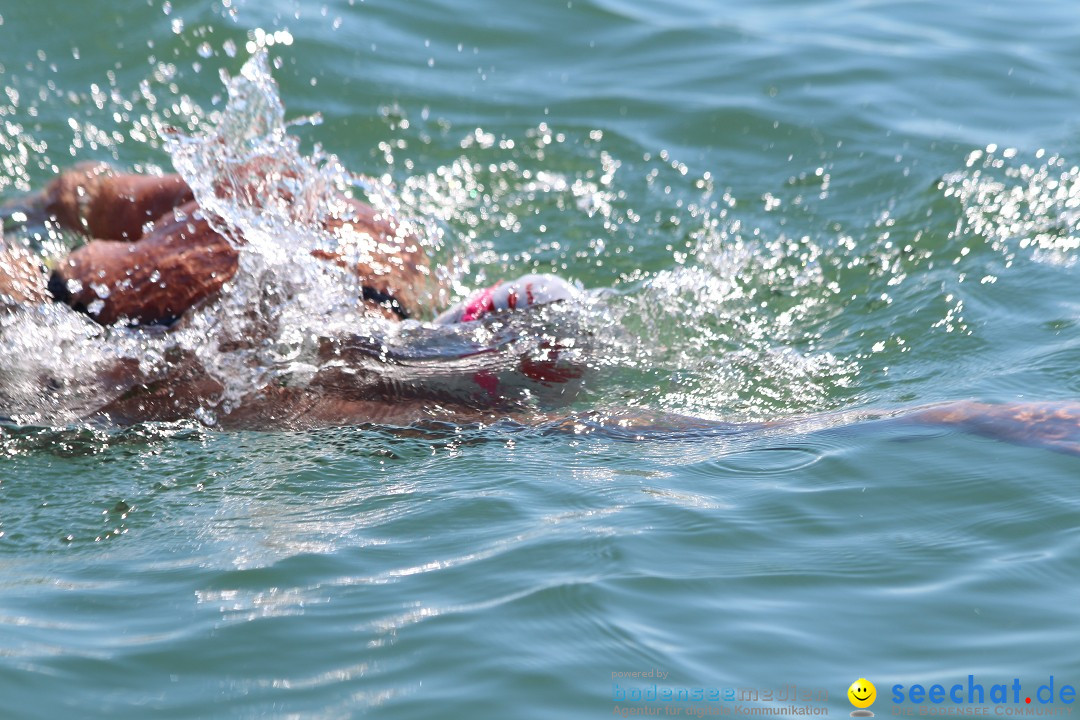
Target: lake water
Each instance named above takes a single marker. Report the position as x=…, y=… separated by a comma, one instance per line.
x=800, y=207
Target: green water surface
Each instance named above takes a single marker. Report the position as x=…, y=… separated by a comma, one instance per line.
x=803, y=206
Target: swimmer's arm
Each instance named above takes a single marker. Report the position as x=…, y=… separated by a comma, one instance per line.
x=97, y=201
x=388, y=256
x=22, y=277
x=152, y=281
x=1049, y=425
x=1052, y=426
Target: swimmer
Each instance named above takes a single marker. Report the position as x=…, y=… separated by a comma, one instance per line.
x=148, y=244
x=151, y=257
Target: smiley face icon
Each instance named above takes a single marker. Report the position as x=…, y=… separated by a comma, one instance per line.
x=862, y=693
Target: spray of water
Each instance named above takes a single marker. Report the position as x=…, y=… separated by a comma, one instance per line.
x=1020, y=207
x=287, y=318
